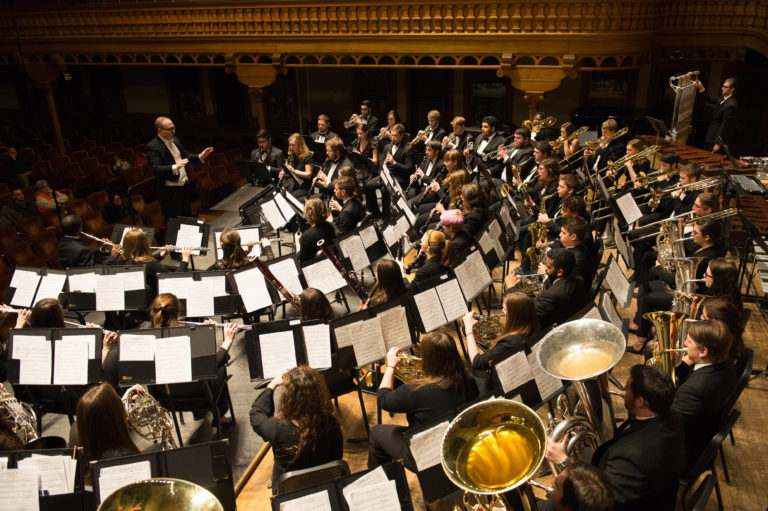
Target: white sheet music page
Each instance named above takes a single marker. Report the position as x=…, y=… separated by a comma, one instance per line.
x=20, y=489
x=218, y=284
x=430, y=310
x=324, y=276
x=618, y=283
x=200, y=302
x=313, y=502
x=287, y=211
x=629, y=209
x=253, y=289
x=82, y=282
x=452, y=300
x=179, y=286
x=395, y=328
x=496, y=232
x=70, y=362
x=621, y=245
x=426, y=446
x=288, y=274
x=513, y=372
x=50, y=286
x=374, y=477
x=278, y=352
x=189, y=236
x=546, y=383
x=390, y=238
x=173, y=360
x=345, y=335
x=317, y=340
x=486, y=243
x=369, y=342
x=53, y=472
x=593, y=313
x=407, y=210
x=353, y=248
x=34, y=361
x=89, y=339
x=272, y=214
x=25, y=282
x=369, y=236
x=135, y=348
x=112, y=478
x=473, y=275
x=132, y=280
x=383, y=494
x=20, y=343
x=613, y=314
x=110, y=295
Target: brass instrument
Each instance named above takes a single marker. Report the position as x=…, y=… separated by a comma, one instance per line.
x=642, y=155
x=509, y=190
x=531, y=284
x=417, y=138
x=410, y=368
x=150, y=420
x=19, y=416
x=535, y=126
x=591, y=146
x=648, y=179
x=470, y=149
x=486, y=330
x=452, y=138
x=292, y=298
x=698, y=185
x=717, y=215
x=538, y=231
x=667, y=325
x=556, y=144
x=351, y=279
x=161, y=493
x=491, y=448
x=385, y=130
x=354, y=120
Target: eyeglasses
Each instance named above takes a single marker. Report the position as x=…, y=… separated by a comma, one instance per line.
x=172, y=128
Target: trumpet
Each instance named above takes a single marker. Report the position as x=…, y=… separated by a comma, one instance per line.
x=417, y=138
x=353, y=121
x=556, y=144
x=535, y=126
x=383, y=132
x=591, y=146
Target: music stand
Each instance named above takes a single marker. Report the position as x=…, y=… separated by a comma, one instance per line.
x=254, y=171
x=659, y=127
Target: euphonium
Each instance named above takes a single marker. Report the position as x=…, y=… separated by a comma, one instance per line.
x=150, y=420
x=410, y=367
x=667, y=325
x=19, y=416
x=537, y=125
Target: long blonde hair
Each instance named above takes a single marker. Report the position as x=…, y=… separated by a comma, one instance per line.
x=301, y=145
x=136, y=247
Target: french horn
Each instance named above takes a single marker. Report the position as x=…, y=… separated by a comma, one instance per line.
x=19, y=416
x=150, y=420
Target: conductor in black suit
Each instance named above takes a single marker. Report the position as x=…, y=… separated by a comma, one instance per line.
x=169, y=159
x=645, y=457
x=74, y=254
x=397, y=157
x=706, y=377
x=348, y=207
x=724, y=115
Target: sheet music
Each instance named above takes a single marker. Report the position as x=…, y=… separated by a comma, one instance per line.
x=247, y=234
x=285, y=208
x=272, y=214
x=25, y=282
x=324, y=276
x=618, y=283
x=506, y=217
x=190, y=236
x=313, y=502
x=369, y=236
x=134, y=347
x=473, y=275
x=496, y=235
x=218, y=284
x=21, y=341
x=353, y=248
x=403, y=205
x=430, y=310
x=369, y=342
x=110, y=295
x=90, y=339
x=70, y=362
x=112, y=478
x=253, y=289
x=345, y=335
x=486, y=243
x=317, y=340
x=200, y=302
x=296, y=202
x=278, y=352
x=19, y=487
x=401, y=226
x=395, y=328
x=132, y=280
x=179, y=286
x=383, y=494
x=53, y=472
x=288, y=274
x=125, y=231
x=628, y=208
x=426, y=446
x=173, y=360
x=613, y=315
x=621, y=245
x=547, y=384
x=452, y=300
x=513, y=372
x=593, y=313
x=82, y=282
x=50, y=286
x=374, y=477
x=35, y=360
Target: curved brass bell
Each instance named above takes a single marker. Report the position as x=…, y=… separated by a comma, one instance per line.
x=165, y=494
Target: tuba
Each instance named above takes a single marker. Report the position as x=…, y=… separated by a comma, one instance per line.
x=492, y=448
x=668, y=325
x=150, y=420
x=19, y=416
x=161, y=493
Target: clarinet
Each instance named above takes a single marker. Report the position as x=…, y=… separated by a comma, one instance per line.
x=354, y=284
x=280, y=287
x=417, y=262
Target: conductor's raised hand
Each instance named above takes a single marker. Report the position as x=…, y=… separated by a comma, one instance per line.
x=206, y=152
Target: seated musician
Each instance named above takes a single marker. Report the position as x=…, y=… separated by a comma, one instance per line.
x=323, y=133
x=233, y=256
x=520, y=323
x=431, y=169
x=316, y=214
x=365, y=117
x=297, y=175
x=579, y=487
x=611, y=151
x=315, y=305
x=136, y=251
x=705, y=378
x=486, y=144
x=474, y=205
x=389, y=284
x=334, y=149
x=269, y=155
x=570, y=149
x=729, y=313
x=573, y=232
x=397, y=157
x=439, y=253
x=575, y=205
x=453, y=227
x=304, y=432
x=542, y=134
x=567, y=185
x=645, y=458
x=366, y=145
x=564, y=294
x=668, y=177
x=544, y=190
x=74, y=254
x=446, y=385
x=630, y=170
x=347, y=209
x=436, y=133
x=437, y=197
x=385, y=133
x=458, y=138
x=529, y=169
x=520, y=153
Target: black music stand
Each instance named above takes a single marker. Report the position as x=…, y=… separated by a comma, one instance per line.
x=659, y=127
x=119, y=229
x=255, y=172
x=75, y=501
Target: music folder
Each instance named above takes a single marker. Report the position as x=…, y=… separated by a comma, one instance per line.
x=200, y=293
x=249, y=210
x=136, y=361
x=361, y=248
x=472, y=273
x=30, y=285
x=424, y=443
x=119, y=231
x=254, y=171
x=275, y=346
x=77, y=500
x=123, y=290
x=208, y=465
x=493, y=242
x=186, y=231
x=438, y=301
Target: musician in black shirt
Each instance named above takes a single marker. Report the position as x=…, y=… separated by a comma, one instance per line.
x=268, y=154
x=316, y=214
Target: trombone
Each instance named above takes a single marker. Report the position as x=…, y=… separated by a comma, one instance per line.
x=535, y=126
x=417, y=138
x=592, y=145
x=556, y=144
x=717, y=215
x=642, y=155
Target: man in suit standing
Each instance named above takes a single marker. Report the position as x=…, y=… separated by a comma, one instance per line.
x=397, y=157
x=706, y=378
x=645, y=457
x=169, y=159
x=323, y=133
x=346, y=208
x=74, y=254
x=723, y=117
x=269, y=155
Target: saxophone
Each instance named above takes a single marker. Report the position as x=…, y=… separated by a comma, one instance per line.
x=538, y=232
x=19, y=416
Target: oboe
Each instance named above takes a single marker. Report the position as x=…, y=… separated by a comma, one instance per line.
x=280, y=287
x=220, y=325
x=351, y=280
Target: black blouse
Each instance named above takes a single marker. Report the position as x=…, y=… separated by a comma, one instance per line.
x=422, y=402
x=309, y=238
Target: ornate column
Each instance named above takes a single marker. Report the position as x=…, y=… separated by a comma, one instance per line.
x=44, y=75
x=256, y=77
x=535, y=80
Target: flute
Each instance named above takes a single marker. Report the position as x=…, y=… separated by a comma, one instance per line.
x=78, y=325
x=220, y=325
x=98, y=239
x=11, y=310
x=177, y=248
